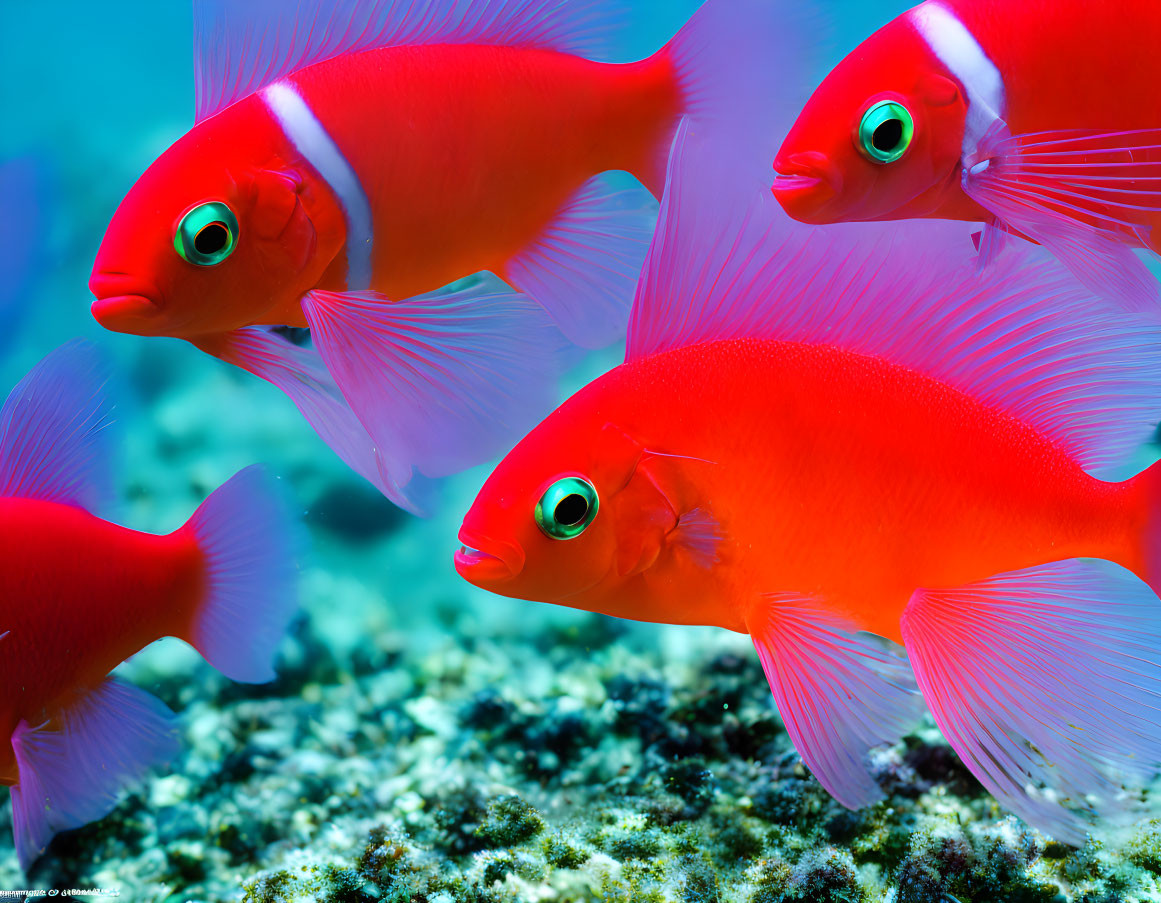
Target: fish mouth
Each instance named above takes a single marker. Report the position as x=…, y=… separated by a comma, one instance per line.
x=794, y=182
x=123, y=304
x=804, y=183
x=484, y=562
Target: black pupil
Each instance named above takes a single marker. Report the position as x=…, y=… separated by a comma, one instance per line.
x=571, y=510
x=212, y=238
x=887, y=135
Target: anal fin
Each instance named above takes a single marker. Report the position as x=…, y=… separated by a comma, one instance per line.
x=1047, y=682
x=584, y=268
x=73, y=768
x=840, y=693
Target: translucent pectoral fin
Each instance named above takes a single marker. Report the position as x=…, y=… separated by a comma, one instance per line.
x=299, y=372
x=1047, y=682
x=441, y=381
x=840, y=693
x=1088, y=197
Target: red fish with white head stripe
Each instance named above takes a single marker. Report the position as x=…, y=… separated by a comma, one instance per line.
x=353, y=157
x=1038, y=119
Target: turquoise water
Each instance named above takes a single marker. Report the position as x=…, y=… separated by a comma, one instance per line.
x=427, y=741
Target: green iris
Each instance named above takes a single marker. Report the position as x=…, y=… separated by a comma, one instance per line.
x=567, y=507
x=207, y=234
x=886, y=131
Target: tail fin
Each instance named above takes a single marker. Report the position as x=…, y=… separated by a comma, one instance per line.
x=744, y=68
x=250, y=539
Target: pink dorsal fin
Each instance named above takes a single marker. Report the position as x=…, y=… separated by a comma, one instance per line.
x=240, y=46
x=54, y=431
x=1022, y=336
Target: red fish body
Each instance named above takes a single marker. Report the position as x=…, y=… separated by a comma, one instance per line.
x=542, y=123
x=1040, y=119
x=351, y=159
x=893, y=473
x=962, y=491
x=465, y=154
x=121, y=591
x=79, y=595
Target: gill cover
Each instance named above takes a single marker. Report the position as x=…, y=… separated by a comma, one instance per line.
x=645, y=510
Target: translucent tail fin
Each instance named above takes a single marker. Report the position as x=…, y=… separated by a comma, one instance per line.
x=250, y=540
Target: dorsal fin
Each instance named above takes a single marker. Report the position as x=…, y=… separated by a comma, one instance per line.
x=54, y=431
x=240, y=46
x=1023, y=336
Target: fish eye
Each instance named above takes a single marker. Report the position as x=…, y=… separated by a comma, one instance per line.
x=566, y=508
x=207, y=234
x=885, y=131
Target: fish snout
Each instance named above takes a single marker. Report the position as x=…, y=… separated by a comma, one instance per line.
x=804, y=183
x=124, y=303
x=485, y=562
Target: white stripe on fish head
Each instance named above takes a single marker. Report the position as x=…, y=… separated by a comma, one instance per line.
x=958, y=49
x=307, y=134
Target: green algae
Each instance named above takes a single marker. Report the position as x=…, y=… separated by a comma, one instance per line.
x=361, y=790
x=509, y=820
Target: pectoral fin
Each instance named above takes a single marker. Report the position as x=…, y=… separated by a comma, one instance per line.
x=441, y=381
x=299, y=373
x=1086, y=196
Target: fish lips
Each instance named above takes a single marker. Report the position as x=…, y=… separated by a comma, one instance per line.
x=485, y=562
x=805, y=183
x=124, y=303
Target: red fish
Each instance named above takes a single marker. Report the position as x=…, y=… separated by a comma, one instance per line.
x=1040, y=119
x=79, y=595
x=837, y=451
x=350, y=156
